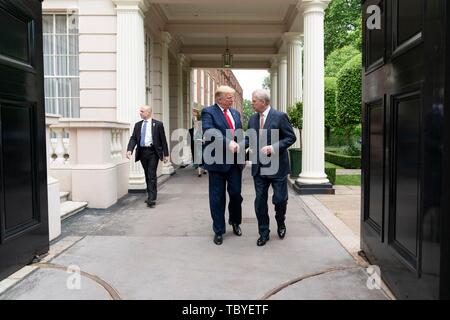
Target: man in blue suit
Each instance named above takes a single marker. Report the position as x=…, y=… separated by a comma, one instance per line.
x=270, y=162
x=222, y=129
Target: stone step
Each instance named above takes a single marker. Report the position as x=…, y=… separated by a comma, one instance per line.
x=63, y=196
x=69, y=208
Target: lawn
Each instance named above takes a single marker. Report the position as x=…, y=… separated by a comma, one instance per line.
x=332, y=165
x=348, y=180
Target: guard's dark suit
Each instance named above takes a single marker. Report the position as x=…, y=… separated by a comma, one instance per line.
x=150, y=156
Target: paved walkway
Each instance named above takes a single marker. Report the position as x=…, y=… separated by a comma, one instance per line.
x=134, y=252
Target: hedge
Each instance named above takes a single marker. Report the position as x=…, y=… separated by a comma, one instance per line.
x=330, y=102
x=348, y=95
x=347, y=162
x=331, y=174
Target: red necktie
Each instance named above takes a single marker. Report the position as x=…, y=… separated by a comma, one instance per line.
x=230, y=124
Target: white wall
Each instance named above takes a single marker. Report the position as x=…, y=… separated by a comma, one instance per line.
x=97, y=56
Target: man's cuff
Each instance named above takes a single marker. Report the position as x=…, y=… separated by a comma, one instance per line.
x=273, y=149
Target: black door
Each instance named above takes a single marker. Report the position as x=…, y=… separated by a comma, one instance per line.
x=403, y=105
x=23, y=177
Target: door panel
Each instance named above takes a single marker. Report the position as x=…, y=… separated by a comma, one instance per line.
x=402, y=144
x=376, y=167
x=17, y=166
x=23, y=177
x=406, y=182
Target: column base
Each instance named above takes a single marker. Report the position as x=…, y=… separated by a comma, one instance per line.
x=308, y=189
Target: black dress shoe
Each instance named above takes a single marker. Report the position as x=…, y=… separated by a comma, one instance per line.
x=218, y=239
x=151, y=204
x=281, y=231
x=236, y=229
x=262, y=240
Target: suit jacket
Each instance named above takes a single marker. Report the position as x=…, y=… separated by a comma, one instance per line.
x=159, y=139
x=213, y=118
x=275, y=120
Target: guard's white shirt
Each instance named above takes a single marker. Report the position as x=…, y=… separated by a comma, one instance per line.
x=148, y=134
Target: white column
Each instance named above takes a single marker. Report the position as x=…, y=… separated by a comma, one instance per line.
x=294, y=73
x=294, y=68
x=167, y=168
x=282, y=82
x=313, y=171
x=181, y=61
x=274, y=83
x=130, y=72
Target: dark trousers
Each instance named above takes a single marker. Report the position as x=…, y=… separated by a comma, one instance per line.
x=232, y=181
x=149, y=161
x=279, y=199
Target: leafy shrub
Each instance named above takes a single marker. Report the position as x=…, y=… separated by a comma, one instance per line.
x=338, y=58
x=348, y=95
x=330, y=103
x=295, y=114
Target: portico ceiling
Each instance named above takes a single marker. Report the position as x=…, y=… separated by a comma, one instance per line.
x=199, y=28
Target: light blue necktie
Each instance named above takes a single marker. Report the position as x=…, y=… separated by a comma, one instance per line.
x=143, y=132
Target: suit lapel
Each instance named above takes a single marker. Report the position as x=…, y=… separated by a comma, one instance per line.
x=235, y=118
x=153, y=124
x=269, y=119
x=221, y=116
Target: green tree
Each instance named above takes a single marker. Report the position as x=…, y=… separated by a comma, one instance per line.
x=357, y=40
x=247, y=111
x=337, y=59
x=348, y=96
x=341, y=18
x=266, y=83
x=330, y=105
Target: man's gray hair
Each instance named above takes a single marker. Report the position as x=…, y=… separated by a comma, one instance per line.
x=147, y=108
x=262, y=94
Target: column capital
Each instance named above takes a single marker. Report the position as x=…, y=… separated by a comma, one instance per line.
x=313, y=6
x=166, y=37
x=181, y=59
x=282, y=58
x=293, y=37
x=131, y=5
x=274, y=62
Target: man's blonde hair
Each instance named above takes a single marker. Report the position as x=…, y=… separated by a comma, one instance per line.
x=222, y=90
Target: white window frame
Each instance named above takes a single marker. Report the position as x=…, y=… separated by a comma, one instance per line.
x=54, y=55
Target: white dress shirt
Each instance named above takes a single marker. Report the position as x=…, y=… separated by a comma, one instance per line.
x=148, y=134
x=265, y=113
x=229, y=115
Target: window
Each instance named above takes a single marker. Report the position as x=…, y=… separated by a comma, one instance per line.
x=148, y=69
x=61, y=70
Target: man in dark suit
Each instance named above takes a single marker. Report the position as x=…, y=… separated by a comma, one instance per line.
x=221, y=124
x=149, y=138
x=270, y=162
